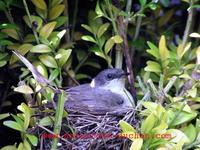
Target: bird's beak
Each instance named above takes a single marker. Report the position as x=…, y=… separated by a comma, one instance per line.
x=124, y=75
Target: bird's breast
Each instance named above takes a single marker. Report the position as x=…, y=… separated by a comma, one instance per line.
x=125, y=95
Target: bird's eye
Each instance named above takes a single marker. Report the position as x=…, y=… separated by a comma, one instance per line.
x=110, y=76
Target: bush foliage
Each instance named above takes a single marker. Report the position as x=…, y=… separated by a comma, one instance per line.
x=157, y=41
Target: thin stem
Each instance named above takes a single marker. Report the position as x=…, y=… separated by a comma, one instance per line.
x=10, y=19
x=188, y=24
x=153, y=88
x=112, y=17
x=30, y=20
x=118, y=55
x=128, y=9
x=74, y=18
x=170, y=84
x=127, y=56
x=71, y=77
x=161, y=82
x=81, y=62
x=58, y=119
x=138, y=25
x=67, y=35
x=137, y=31
x=141, y=84
x=128, y=6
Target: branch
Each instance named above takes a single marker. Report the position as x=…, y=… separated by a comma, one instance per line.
x=121, y=26
x=30, y=20
x=188, y=24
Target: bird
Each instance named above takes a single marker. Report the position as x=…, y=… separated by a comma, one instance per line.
x=105, y=93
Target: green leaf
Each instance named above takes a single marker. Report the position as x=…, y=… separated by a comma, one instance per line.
x=150, y=105
x=153, y=66
x=40, y=4
x=60, y=21
x=11, y=33
x=3, y=55
x=87, y=28
x=92, y=64
x=153, y=53
x=148, y=123
x=26, y=145
x=177, y=135
x=100, y=54
x=88, y=38
x=46, y=121
x=154, y=50
x=161, y=127
x=35, y=19
x=9, y=147
x=117, y=39
x=9, y=26
x=182, y=50
x=98, y=10
x=3, y=116
x=137, y=144
x=152, y=6
x=41, y=68
x=55, y=39
x=2, y=35
x=14, y=125
x=164, y=52
x=3, y=63
x=47, y=29
x=42, y=13
x=192, y=92
x=5, y=43
x=102, y=29
x=191, y=133
x=2, y=6
x=182, y=117
x=48, y=61
x=62, y=56
x=26, y=114
x=126, y=127
x=143, y=2
x=54, y=74
x=23, y=49
x=56, y=11
x=33, y=139
x=41, y=48
x=80, y=76
x=109, y=45
x=25, y=89
x=55, y=2
x=18, y=119
x=29, y=38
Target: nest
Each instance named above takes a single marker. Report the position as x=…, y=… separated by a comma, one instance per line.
x=92, y=131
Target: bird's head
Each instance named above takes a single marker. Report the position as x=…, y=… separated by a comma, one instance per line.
x=110, y=78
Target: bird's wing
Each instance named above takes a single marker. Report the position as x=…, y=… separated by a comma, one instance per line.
x=93, y=99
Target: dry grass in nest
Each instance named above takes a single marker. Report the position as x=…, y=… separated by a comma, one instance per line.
x=91, y=131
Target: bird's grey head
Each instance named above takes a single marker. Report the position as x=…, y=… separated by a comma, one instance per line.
x=109, y=77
